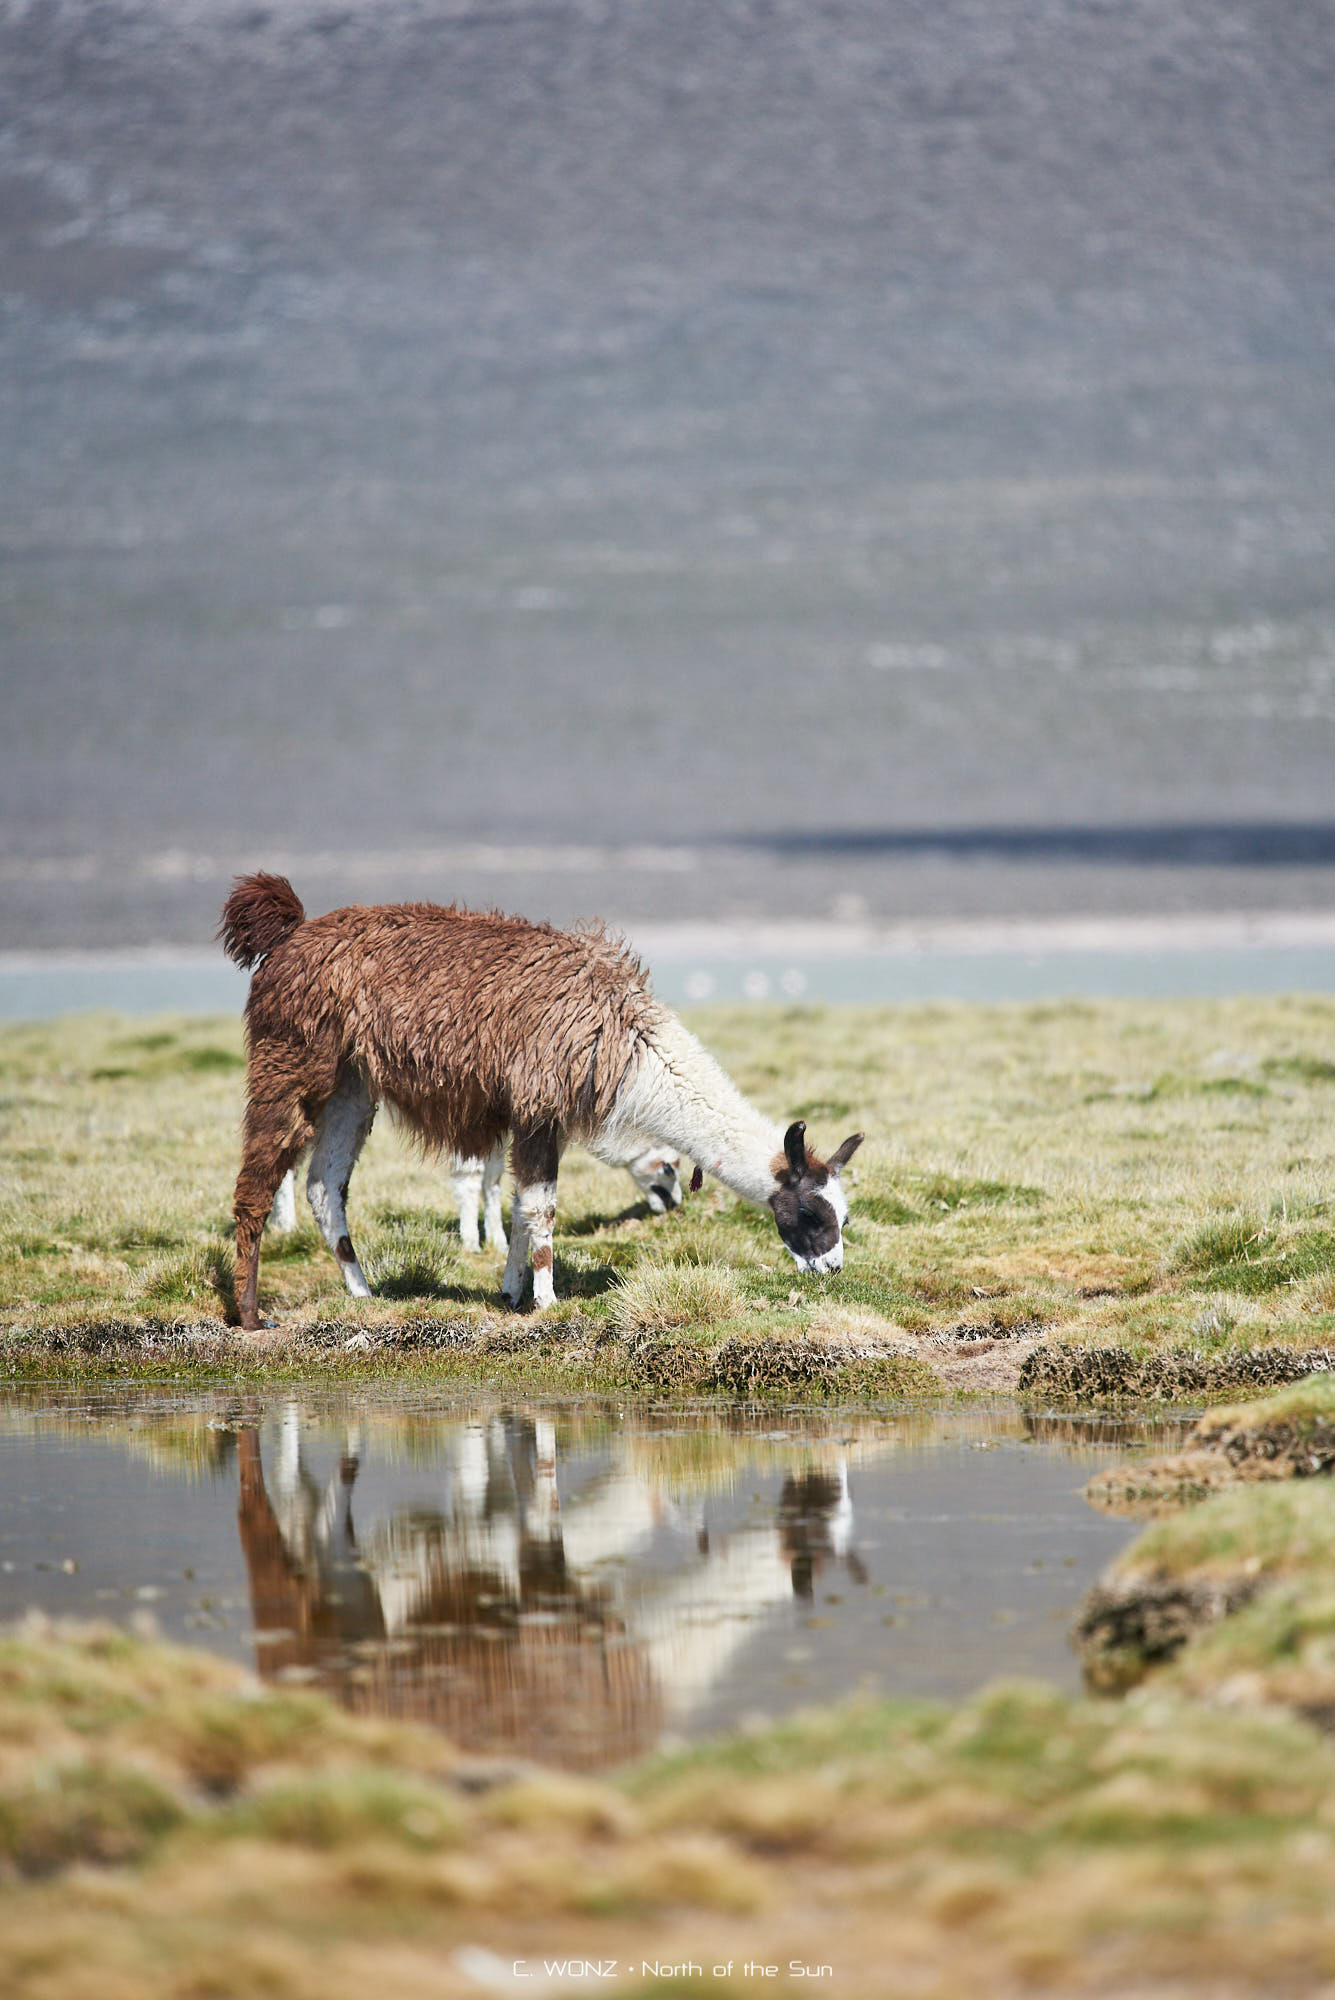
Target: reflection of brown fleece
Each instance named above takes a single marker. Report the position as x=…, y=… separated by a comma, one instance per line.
x=567, y=1687
x=312, y=1614
x=280, y=1596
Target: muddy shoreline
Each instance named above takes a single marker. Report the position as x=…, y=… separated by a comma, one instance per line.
x=582, y=1353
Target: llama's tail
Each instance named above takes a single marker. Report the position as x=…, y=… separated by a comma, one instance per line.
x=261, y=911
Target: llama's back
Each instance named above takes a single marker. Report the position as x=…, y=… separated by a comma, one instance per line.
x=467, y=1022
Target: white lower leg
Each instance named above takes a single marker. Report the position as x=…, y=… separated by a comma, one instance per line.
x=516, y=1264
x=467, y=1179
x=287, y=1472
x=537, y=1206
x=493, y=1224
x=347, y=1119
x=543, y=1523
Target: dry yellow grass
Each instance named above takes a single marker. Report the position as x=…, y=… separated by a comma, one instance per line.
x=668, y=1297
x=169, y=1830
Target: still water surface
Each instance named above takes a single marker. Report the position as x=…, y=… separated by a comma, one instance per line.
x=573, y=1584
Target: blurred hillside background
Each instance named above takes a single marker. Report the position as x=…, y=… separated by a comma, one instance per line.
x=792, y=458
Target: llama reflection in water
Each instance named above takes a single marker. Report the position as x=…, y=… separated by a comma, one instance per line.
x=463, y=1616
x=816, y=1527
x=575, y=1638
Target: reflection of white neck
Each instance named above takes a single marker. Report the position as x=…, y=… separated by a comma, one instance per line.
x=694, y=1626
x=694, y=1618
x=608, y=1521
x=678, y=1091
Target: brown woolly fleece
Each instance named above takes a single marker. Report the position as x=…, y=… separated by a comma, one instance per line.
x=469, y=1024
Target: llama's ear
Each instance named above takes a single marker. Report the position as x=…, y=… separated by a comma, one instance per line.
x=843, y=1154
x=795, y=1146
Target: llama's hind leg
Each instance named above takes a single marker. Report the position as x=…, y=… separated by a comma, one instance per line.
x=536, y=1157
x=344, y=1124
x=276, y=1129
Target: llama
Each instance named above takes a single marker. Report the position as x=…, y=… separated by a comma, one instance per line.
x=473, y=1025
x=477, y=1184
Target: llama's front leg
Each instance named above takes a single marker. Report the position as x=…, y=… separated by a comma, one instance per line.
x=536, y=1157
x=467, y=1180
x=346, y=1120
x=516, y=1263
x=538, y=1204
x=493, y=1222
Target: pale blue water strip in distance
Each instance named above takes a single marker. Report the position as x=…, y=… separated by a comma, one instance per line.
x=33, y=991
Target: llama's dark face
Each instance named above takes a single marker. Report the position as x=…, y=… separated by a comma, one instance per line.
x=809, y=1204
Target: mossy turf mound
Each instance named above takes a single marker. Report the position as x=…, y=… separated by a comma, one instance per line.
x=1151, y=1486
x=1289, y=1435
x=829, y=1367
x=1195, y=1568
x=570, y=1352
x=1065, y=1371
x=1129, y=1625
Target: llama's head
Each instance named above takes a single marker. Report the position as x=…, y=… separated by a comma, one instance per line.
x=809, y=1205
x=655, y=1174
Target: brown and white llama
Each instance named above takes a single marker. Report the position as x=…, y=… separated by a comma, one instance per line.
x=470, y=1026
x=477, y=1186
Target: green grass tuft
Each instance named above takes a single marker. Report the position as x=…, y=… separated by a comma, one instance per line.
x=1303, y=1069
x=1240, y=1253
x=674, y=1297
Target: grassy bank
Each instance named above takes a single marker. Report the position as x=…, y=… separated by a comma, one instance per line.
x=1103, y=1198
x=1230, y=1593
x=169, y=1829
x=1288, y=1435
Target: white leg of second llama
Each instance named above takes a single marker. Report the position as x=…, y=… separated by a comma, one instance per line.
x=477, y=1182
x=283, y=1214
x=467, y=1181
x=493, y=1223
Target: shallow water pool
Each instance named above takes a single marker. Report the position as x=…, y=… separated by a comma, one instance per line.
x=575, y=1584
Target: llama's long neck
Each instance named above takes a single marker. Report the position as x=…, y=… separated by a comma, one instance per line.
x=678, y=1092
